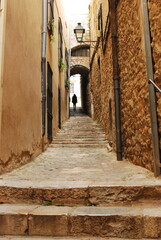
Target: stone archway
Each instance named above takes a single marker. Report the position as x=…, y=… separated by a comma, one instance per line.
x=85, y=92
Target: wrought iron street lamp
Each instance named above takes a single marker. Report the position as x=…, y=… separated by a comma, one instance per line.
x=79, y=31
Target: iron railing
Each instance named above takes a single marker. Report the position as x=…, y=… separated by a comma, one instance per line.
x=158, y=89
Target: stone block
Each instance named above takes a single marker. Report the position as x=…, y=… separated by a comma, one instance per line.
x=49, y=221
x=107, y=222
x=14, y=219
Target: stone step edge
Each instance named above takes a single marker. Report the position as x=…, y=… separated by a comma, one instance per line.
x=78, y=145
x=134, y=221
x=12, y=237
x=75, y=196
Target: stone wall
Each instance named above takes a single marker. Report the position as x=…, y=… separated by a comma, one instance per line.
x=136, y=128
x=84, y=61
x=155, y=25
x=101, y=77
x=135, y=113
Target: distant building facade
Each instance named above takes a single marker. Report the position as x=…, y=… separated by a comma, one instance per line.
x=126, y=56
x=34, y=96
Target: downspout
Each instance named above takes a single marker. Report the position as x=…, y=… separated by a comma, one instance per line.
x=152, y=96
x=43, y=63
x=116, y=78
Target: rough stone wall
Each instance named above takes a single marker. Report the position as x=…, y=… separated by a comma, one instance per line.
x=155, y=25
x=84, y=61
x=101, y=79
x=135, y=118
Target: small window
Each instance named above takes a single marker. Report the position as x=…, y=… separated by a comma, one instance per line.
x=99, y=71
x=100, y=22
x=51, y=10
x=50, y=16
x=60, y=38
x=67, y=63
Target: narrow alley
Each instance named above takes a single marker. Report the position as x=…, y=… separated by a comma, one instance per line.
x=80, y=119
x=77, y=188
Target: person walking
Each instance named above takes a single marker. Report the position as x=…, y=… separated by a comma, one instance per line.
x=74, y=101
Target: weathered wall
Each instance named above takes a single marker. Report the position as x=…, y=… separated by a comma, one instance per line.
x=21, y=135
x=2, y=40
x=21, y=104
x=59, y=77
x=101, y=77
x=155, y=25
x=84, y=61
x=135, y=118
x=135, y=115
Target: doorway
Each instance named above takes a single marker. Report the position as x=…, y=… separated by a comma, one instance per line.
x=49, y=102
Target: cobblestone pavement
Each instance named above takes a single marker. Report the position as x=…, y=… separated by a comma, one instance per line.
x=78, y=166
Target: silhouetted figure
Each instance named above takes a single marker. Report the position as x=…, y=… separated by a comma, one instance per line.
x=74, y=101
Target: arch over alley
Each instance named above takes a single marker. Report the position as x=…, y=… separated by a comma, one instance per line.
x=84, y=85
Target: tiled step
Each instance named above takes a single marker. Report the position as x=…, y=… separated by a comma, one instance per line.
x=129, y=221
x=72, y=195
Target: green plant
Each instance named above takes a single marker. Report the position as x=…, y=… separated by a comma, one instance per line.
x=51, y=27
x=62, y=65
x=52, y=38
x=97, y=122
x=47, y=203
x=67, y=83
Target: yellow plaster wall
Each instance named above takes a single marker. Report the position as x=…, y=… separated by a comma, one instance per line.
x=21, y=106
x=2, y=40
x=52, y=57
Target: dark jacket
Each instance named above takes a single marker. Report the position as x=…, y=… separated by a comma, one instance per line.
x=74, y=99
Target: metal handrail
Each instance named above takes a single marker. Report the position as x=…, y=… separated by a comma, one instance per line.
x=158, y=89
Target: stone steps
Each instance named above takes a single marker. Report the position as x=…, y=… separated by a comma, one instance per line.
x=66, y=194
x=73, y=195
x=82, y=133
x=80, y=145
x=128, y=221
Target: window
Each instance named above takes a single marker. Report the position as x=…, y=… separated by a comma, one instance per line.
x=82, y=52
x=50, y=16
x=60, y=39
x=67, y=63
x=99, y=71
x=100, y=22
x=51, y=10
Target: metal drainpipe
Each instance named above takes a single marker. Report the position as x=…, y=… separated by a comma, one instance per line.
x=152, y=96
x=116, y=78
x=43, y=62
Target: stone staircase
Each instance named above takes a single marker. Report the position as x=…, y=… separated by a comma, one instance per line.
x=41, y=205
x=80, y=132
